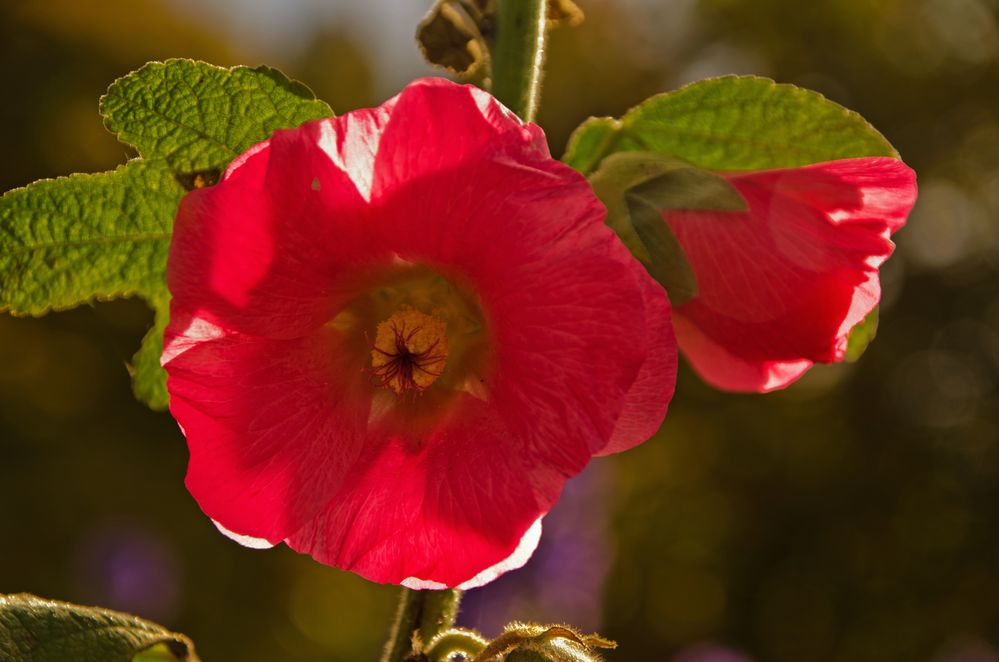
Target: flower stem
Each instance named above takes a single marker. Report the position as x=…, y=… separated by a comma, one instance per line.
x=518, y=55
x=424, y=613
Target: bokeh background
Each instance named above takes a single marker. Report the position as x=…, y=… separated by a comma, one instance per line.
x=853, y=517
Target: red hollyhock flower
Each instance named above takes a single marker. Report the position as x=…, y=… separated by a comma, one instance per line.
x=395, y=334
x=781, y=285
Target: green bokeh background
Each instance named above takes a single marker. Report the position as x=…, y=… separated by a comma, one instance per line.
x=853, y=517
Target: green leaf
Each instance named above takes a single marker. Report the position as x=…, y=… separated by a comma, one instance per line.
x=37, y=630
x=636, y=187
x=732, y=123
x=197, y=116
x=77, y=239
x=84, y=238
x=861, y=336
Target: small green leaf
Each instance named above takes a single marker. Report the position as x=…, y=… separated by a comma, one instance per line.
x=636, y=188
x=197, y=116
x=82, y=238
x=37, y=630
x=590, y=142
x=667, y=262
x=732, y=123
x=157, y=653
x=861, y=336
x=148, y=377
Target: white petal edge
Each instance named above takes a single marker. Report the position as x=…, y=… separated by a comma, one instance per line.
x=525, y=548
x=245, y=541
x=198, y=330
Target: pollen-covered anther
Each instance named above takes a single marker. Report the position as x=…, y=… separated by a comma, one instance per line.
x=409, y=351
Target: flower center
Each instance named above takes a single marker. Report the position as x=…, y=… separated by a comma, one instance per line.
x=409, y=351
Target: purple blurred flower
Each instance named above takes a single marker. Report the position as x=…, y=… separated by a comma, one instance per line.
x=128, y=567
x=709, y=652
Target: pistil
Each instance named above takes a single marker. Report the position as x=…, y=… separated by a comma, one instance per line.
x=410, y=351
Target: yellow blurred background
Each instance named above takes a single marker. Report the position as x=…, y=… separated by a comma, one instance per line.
x=853, y=517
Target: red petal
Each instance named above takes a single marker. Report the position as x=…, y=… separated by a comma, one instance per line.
x=464, y=118
x=711, y=360
x=649, y=396
x=441, y=508
x=270, y=431
x=781, y=285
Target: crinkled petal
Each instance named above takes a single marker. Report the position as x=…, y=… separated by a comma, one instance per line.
x=442, y=508
x=272, y=425
x=710, y=360
x=649, y=396
x=435, y=111
x=781, y=285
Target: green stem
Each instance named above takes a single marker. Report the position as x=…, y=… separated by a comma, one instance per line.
x=518, y=55
x=425, y=613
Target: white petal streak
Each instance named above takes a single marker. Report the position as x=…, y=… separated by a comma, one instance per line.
x=245, y=541
x=353, y=149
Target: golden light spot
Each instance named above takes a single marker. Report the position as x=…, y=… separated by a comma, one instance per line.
x=409, y=351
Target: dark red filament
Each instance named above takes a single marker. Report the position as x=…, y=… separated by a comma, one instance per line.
x=403, y=363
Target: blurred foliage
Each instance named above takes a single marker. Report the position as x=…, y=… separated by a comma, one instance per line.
x=853, y=517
